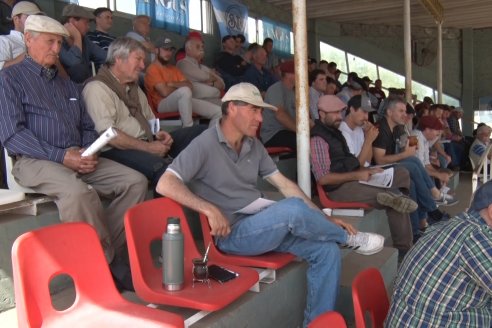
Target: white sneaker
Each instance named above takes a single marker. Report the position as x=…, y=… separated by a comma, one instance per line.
x=366, y=243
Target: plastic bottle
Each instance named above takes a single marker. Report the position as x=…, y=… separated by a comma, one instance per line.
x=173, y=256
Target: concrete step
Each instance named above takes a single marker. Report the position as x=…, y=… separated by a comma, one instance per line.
x=11, y=227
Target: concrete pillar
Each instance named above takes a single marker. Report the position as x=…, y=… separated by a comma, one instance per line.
x=439, y=63
x=407, y=46
x=468, y=102
x=302, y=95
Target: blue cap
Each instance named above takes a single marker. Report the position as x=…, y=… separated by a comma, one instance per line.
x=482, y=198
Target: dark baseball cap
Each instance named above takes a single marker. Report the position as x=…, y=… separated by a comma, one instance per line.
x=165, y=43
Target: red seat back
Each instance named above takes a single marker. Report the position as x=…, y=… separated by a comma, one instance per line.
x=330, y=319
x=271, y=260
x=326, y=202
x=144, y=224
x=369, y=294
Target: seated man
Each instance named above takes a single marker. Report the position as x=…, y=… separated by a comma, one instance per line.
x=104, y=21
x=358, y=132
x=355, y=86
x=221, y=167
x=78, y=51
x=140, y=32
x=44, y=124
x=392, y=146
x=170, y=91
x=446, y=278
x=256, y=73
x=109, y=104
x=273, y=62
x=12, y=46
x=317, y=88
x=480, y=144
x=229, y=64
x=207, y=84
x=339, y=171
x=456, y=146
x=279, y=127
x=428, y=132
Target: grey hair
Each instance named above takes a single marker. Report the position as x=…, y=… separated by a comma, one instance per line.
x=121, y=48
x=391, y=102
x=34, y=34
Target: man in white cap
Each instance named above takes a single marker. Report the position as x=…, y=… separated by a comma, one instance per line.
x=12, y=46
x=78, y=53
x=221, y=167
x=339, y=171
x=44, y=125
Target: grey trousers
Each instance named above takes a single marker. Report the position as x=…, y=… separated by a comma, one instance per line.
x=181, y=100
x=77, y=196
x=399, y=224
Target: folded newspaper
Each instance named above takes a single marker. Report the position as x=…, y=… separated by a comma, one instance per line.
x=381, y=180
x=100, y=142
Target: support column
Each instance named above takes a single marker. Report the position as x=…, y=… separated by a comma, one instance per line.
x=407, y=46
x=302, y=93
x=439, y=63
x=468, y=100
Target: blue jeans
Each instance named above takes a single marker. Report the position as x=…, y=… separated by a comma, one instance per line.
x=290, y=226
x=420, y=190
x=455, y=149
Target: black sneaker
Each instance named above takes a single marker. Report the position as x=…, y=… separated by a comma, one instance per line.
x=122, y=275
x=436, y=216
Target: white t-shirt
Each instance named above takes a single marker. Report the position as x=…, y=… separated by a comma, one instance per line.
x=422, y=148
x=11, y=46
x=355, y=138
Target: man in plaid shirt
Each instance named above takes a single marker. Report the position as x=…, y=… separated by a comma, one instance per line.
x=446, y=279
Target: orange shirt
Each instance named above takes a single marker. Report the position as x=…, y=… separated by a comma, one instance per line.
x=155, y=74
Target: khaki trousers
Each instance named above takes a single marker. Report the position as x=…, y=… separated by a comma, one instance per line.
x=399, y=224
x=77, y=196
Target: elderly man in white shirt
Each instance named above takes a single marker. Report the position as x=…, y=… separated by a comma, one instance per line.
x=12, y=46
x=207, y=84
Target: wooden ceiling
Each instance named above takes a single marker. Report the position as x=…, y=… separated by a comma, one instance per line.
x=457, y=13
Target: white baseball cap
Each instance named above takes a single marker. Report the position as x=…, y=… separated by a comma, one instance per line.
x=247, y=93
x=27, y=8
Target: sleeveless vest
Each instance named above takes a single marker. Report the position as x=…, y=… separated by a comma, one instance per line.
x=342, y=160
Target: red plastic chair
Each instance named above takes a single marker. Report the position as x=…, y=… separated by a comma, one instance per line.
x=330, y=319
x=279, y=151
x=73, y=249
x=328, y=203
x=369, y=294
x=271, y=260
x=144, y=224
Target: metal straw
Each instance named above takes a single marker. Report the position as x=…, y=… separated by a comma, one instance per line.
x=206, y=252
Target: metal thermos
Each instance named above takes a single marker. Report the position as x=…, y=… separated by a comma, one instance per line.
x=173, y=256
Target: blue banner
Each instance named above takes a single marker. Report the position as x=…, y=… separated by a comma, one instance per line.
x=279, y=33
x=232, y=17
x=171, y=15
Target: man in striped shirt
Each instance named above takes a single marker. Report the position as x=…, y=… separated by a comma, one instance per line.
x=104, y=21
x=44, y=124
x=446, y=278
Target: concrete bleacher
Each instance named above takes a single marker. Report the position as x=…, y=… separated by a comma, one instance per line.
x=279, y=304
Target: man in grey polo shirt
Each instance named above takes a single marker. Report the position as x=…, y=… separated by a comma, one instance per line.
x=216, y=175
